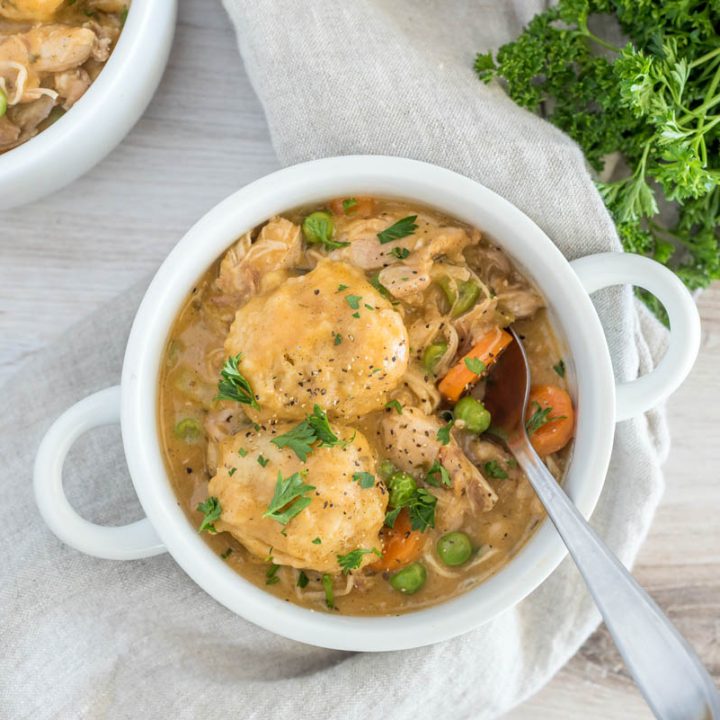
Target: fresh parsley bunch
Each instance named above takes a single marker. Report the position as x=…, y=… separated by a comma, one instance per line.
x=656, y=101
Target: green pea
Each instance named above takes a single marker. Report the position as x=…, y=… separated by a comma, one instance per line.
x=433, y=353
x=402, y=485
x=468, y=293
x=3, y=103
x=318, y=227
x=386, y=470
x=188, y=429
x=454, y=548
x=410, y=579
x=473, y=413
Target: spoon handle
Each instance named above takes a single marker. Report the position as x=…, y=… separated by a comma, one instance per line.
x=669, y=674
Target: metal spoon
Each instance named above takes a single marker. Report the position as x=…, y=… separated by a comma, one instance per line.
x=670, y=676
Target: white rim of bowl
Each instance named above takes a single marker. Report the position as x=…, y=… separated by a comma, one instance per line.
x=316, y=181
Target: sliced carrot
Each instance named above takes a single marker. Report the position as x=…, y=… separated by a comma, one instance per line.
x=356, y=206
x=557, y=431
x=401, y=544
x=486, y=350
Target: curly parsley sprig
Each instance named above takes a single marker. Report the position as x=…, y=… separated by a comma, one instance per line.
x=655, y=101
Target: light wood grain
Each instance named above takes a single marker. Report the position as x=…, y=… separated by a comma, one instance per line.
x=67, y=254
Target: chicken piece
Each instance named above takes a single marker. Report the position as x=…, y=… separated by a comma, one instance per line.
x=9, y=133
x=19, y=80
x=55, y=48
x=412, y=276
x=341, y=513
x=365, y=250
x=28, y=116
x=71, y=85
x=520, y=302
x=40, y=10
x=109, y=6
x=326, y=338
x=410, y=442
x=249, y=267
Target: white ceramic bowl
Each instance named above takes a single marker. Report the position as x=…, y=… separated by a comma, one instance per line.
x=565, y=286
x=103, y=115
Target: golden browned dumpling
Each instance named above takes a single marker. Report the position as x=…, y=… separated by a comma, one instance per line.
x=342, y=515
x=29, y=9
x=326, y=338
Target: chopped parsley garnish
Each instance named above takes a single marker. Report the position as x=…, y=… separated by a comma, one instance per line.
x=225, y=555
x=374, y=280
x=327, y=584
x=368, y=307
x=341, y=287
x=560, y=368
x=494, y=470
x=232, y=471
x=356, y=314
x=242, y=452
x=262, y=461
x=352, y=560
x=234, y=385
x=474, y=365
x=443, y=434
x=319, y=229
x=314, y=428
x=540, y=417
x=364, y=479
x=395, y=404
x=353, y=301
x=271, y=575
x=422, y=510
x=211, y=510
x=438, y=475
x=289, y=498
x=337, y=338
x=400, y=229
x=302, y=580
x=391, y=516
x=317, y=541
x=349, y=204
x=400, y=252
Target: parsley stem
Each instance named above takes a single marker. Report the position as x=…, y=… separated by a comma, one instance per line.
x=704, y=58
x=584, y=31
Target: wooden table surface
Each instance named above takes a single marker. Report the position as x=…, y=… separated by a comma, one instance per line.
x=204, y=136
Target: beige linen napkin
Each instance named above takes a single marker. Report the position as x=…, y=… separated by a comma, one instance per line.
x=87, y=638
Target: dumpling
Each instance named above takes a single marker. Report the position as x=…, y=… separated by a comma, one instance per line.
x=342, y=516
x=327, y=338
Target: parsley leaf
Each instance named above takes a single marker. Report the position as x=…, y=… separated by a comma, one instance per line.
x=400, y=229
x=289, y=498
x=262, y=461
x=443, y=434
x=365, y=479
x=242, y=452
x=315, y=428
x=349, y=204
x=437, y=475
x=540, y=417
x=560, y=368
x=337, y=338
x=302, y=580
x=327, y=584
x=226, y=553
x=317, y=541
x=395, y=404
x=375, y=282
x=422, y=510
x=211, y=510
x=300, y=440
x=341, y=287
x=271, y=575
x=475, y=365
x=234, y=385
x=494, y=470
x=319, y=229
x=352, y=560
x=391, y=516
x=353, y=301
x=400, y=252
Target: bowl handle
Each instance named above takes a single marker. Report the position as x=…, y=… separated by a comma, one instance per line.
x=127, y=542
x=607, y=269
